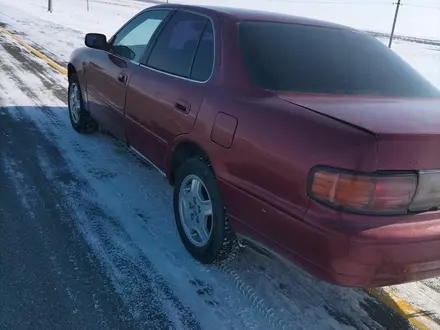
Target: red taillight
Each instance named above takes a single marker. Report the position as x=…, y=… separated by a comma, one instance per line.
x=363, y=192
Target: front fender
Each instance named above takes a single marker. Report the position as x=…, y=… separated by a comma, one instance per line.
x=78, y=63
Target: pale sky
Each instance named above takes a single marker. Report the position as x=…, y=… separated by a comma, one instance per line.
x=417, y=18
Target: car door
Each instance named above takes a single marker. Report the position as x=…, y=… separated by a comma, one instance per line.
x=109, y=71
x=166, y=92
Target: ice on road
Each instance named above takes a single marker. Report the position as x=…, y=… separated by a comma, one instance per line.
x=88, y=240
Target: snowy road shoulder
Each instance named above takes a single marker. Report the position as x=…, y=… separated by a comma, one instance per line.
x=122, y=209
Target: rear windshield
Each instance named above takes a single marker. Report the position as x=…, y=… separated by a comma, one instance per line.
x=311, y=59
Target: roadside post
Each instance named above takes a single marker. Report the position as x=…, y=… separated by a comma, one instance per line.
x=394, y=23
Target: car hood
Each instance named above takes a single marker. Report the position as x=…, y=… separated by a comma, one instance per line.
x=407, y=130
x=377, y=115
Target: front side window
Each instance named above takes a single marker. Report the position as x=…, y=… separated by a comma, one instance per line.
x=176, y=46
x=131, y=42
x=313, y=59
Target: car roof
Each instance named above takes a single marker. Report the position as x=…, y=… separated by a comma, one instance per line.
x=240, y=14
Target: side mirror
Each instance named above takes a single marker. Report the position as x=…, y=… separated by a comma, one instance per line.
x=96, y=41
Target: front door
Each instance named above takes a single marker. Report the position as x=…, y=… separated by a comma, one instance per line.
x=166, y=92
x=109, y=71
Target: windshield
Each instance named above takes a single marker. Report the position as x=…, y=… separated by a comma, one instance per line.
x=312, y=59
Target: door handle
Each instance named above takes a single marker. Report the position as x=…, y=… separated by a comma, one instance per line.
x=122, y=78
x=182, y=106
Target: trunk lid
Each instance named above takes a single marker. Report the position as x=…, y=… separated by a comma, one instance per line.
x=407, y=130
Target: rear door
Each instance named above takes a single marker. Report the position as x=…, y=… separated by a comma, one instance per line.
x=109, y=72
x=166, y=92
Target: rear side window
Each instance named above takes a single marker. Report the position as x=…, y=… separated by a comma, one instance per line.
x=176, y=46
x=311, y=59
x=204, y=59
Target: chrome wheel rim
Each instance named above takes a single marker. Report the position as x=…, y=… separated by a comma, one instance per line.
x=74, y=103
x=195, y=210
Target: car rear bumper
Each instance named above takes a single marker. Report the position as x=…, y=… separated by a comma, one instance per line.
x=359, y=275
x=361, y=251
x=350, y=269
x=349, y=250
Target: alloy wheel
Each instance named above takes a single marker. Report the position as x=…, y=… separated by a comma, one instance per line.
x=75, y=103
x=195, y=210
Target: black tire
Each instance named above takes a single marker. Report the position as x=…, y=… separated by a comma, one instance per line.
x=85, y=124
x=222, y=239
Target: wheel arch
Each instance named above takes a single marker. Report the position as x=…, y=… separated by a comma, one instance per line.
x=74, y=67
x=70, y=70
x=180, y=152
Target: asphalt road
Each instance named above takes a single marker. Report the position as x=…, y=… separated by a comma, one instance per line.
x=49, y=278
x=87, y=239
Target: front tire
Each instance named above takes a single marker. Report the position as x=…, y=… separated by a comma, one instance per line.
x=80, y=118
x=199, y=213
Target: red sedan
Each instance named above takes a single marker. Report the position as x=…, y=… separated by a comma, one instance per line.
x=311, y=139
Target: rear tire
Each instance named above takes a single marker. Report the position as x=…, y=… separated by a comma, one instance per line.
x=80, y=118
x=221, y=238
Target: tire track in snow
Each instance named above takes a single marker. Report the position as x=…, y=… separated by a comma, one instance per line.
x=270, y=291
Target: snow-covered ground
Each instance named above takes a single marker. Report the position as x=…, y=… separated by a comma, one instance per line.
x=417, y=18
x=60, y=32
x=254, y=292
